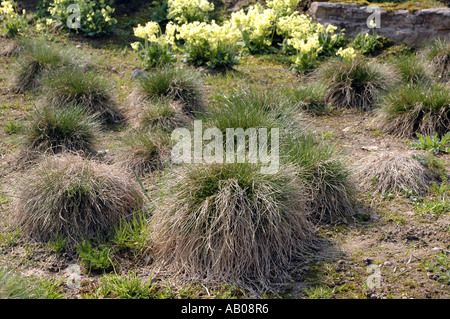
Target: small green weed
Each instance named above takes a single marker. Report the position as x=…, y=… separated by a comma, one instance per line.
x=440, y=266
x=432, y=143
x=95, y=258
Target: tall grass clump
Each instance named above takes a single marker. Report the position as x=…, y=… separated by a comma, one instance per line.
x=37, y=58
x=161, y=113
x=145, y=151
x=309, y=97
x=182, y=85
x=394, y=172
x=355, y=83
x=318, y=166
x=70, y=197
x=412, y=69
x=229, y=222
x=324, y=172
x=250, y=109
x=438, y=53
x=52, y=129
x=416, y=109
x=75, y=85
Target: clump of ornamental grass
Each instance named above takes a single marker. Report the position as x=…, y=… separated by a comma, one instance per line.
x=69, y=197
x=182, y=85
x=355, y=83
x=161, y=113
x=76, y=85
x=37, y=58
x=250, y=109
x=324, y=172
x=53, y=129
x=412, y=69
x=228, y=222
x=318, y=165
x=411, y=109
x=145, y=151
x=309, y=97
x=393, y=172
x=438, y=53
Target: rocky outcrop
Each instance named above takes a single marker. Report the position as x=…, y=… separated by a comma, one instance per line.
x=412, y=28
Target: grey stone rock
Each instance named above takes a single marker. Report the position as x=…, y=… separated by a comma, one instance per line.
x=136, y=74
x=412, y=28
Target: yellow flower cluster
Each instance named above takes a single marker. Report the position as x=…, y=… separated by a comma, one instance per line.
x=257, y=22
x=185, y=11
x=295, y=26
x=152, y=32
x=149, y=31
x=96, y=16
x=282, y=7
x=11, y=23
x=301, y=33
x=311, y=43
x=7, y=9
x=348, y=53
x=197, y=33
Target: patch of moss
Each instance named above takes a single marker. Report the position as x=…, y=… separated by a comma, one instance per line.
x=393, y=5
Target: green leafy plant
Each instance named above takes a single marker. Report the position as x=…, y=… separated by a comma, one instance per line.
x=305, y=62
x=183, y=11
x=209, y=44
x=438, y=203
x=440, y=266
x=160, y=11
x=57, y=244
x=132, y=234
x=330, y=43
x=11, y=22
x=97, y=258
x=131, y=286
x=95, y=16
x=370, y=44
x=42, y=8
x=321, y=292
x=159, y=48
x=432, y=143
x=13, y=126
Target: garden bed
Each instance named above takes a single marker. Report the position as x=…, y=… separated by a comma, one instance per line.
x=92, y=205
